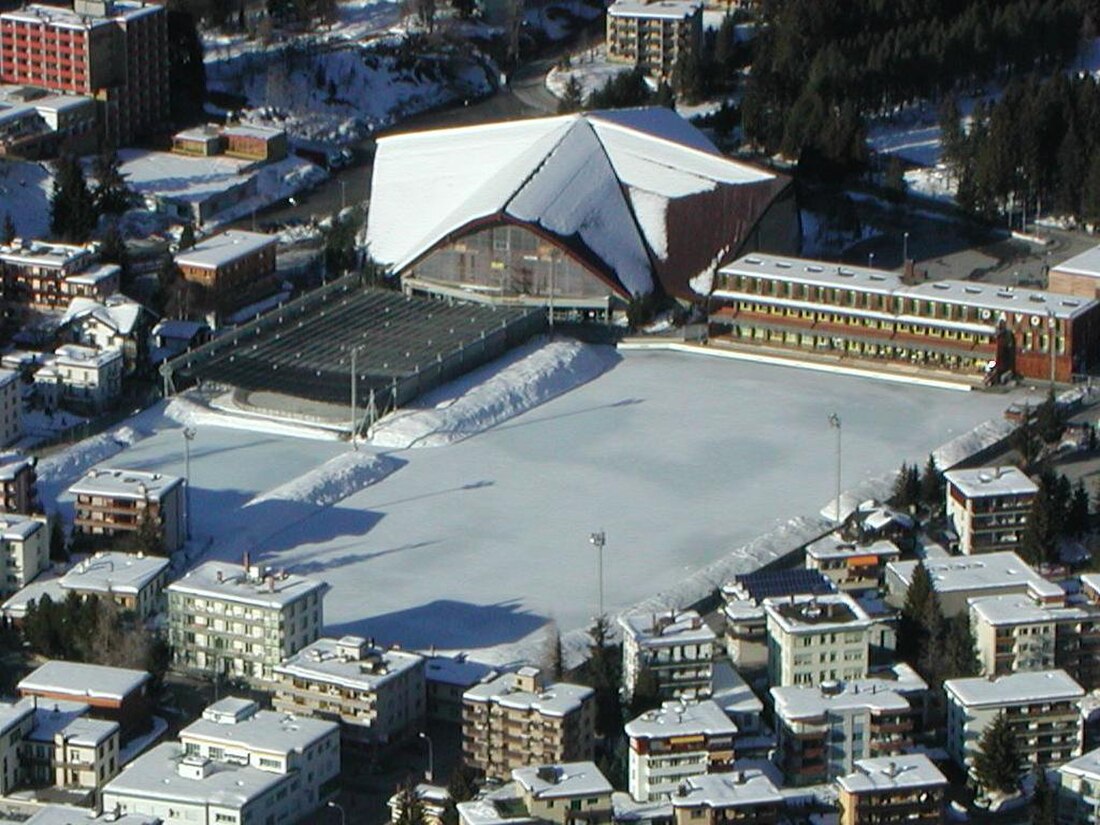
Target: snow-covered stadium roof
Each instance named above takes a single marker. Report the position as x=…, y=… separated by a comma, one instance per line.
x=632, y=194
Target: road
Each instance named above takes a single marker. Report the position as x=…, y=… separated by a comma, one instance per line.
x=526, y=95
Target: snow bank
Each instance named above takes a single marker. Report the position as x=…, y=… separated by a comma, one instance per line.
x=183, y=410
x=980, y=438
x=522, y=380
x=334, y=480
x=73, y=462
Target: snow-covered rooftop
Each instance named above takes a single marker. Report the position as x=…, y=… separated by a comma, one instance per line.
x=558, y=699
x=81, y=680
x=111, y=572
x=156, y=775
x=180, y=177
x=76, y=355
x=456, y=669
x=813, y=703
x=1087, y=263
x=567, y=779
x=1087, y=766
x=600, y=183
x=338, y=662
x=265, y=730
x=681, y=719
x=65, y=815
x=41, y=253
x=815, y=614
x=218, y=580
x=1014, y=689
x=69, y=18
x=991, y=481
x=16, y=527
x=11, y=464
x=224, y=248
x=95, y=274
x=831, y=547
x=682, y=627
x=742, y=788
x=118, y=312
x=664, y=9
x=731, y=692
x=988, y=571
x=126, y=484
x=892, y=773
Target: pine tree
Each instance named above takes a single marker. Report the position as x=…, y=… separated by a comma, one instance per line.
x=461, y=784
x=1044, y=800
x=952, y=136
x=894, y=180
x=997, y=761
x=112, y=250
x=552, y=652
x=960, y=649
x=1077, y=520
x=603, y=675
x=918, y=598
x=931, y=484
x=1049, y=419
x=111, y=195
x=9, y=232
x=646, y=695
x=573, y=98
x=187, y=237
x=72, y=207
x=58, y=551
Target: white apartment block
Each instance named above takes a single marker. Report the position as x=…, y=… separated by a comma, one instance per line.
x=24, y=550
x=116, y=502
x=377, y=694
x=1079, y=790
x=85, y=378
x=676, y=647
x=242, y=622
x=989, y=507
x=957, y=580
x=235, y=730
x=69, y=815
x=69, y=750
x=823, y=731
x=676, y=742
x=11, y=407
x=654, y=34
x=745, y=796
x=1043, y=708
x=569, y=792
x=1015, y=633
x=16, y=722
x=816, y=639
x=133, y=581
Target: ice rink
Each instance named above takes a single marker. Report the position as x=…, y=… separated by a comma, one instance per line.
x=681, y=459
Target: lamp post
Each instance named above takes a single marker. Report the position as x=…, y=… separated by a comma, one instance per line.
x=871, y=260
x=340, y=808
x=430, y=773
x=1052, y=336
x=834, y=423
x=905, y=249
x=599, y=540
x=188, y=437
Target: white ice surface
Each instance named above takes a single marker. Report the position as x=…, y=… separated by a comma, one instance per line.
x=685, y=462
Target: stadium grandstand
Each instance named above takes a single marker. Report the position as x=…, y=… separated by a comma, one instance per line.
x=299, y=356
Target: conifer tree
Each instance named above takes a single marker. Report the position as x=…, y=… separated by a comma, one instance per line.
x=410, y=807
x=997, y=761
x=72, y=207
x=9, y=232
x=111, y=195
x=573, y=98
x=931, y=484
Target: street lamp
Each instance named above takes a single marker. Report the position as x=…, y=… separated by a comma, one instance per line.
x=905, y=249
x=871, y=259
x=834, y=423
x=188, y=437
x=598, y=540
x=340, y=808
x=430, y=774
x=1052, y=335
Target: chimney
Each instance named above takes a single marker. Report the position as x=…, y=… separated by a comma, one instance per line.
x=221, y=577
x=270, y=584
x=245, y=562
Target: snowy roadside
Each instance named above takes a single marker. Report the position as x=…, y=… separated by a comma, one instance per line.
x=186, y=412
x=62, y=468
x=514, y=384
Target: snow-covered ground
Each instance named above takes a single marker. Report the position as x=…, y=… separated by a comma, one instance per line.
x=25, y=195
x=591, y=68
x=684, y=461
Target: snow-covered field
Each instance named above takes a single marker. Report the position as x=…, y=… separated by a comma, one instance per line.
x=591, y=68
x=684, y=461
x=25, y=195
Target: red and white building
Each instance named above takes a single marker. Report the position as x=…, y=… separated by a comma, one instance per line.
x=115, y=52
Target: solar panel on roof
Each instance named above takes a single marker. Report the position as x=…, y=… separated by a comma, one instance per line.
x=768, y=584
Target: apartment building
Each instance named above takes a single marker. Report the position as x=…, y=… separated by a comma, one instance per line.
x=676, y=648
x=564, y=794
x=11, y=407
x=746, y=621
x=18, y=484
x=16, y=722
x=957, y=580
x=675, y=742
x=234, y=266
x=115, y=503
x=133, y=581
x=515, y=720
x=69, y=815
x=376, y=694
x=1043, y=709
x=747, y=796
x=235, y=730
x=111, y=694
x=988, y=507
x=859, y=313
x=853, y=568
x=24, y=550
x=906, y=789
x=446, y=679
x=815, y=639
x=114, y=323
x=115, y=52
x=47, y=276
x=823, y=731
x=242, y=622
x=654, y=35
x=257, y=143
x=1078, y=790
x=69, y=750
x=85, y=379
x=1080, y=275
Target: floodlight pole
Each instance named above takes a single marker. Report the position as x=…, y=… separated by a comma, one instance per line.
x=905, y=249
x=834, y=423
x=188, y=436
x=1052, y=329
x=354, y=445
x=598, y=540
